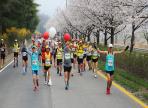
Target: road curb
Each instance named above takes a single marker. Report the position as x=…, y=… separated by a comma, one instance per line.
x=137, y=100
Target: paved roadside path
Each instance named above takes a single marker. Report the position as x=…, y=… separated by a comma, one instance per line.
x=85, y=92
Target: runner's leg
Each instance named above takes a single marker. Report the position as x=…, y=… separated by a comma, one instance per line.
x=108, y=83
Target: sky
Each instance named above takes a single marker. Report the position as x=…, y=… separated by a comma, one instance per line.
x=49, y=7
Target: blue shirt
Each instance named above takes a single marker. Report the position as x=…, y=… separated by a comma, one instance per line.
x=109, y=66
x=34, y=60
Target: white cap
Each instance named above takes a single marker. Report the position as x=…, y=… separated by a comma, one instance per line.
x=15, y=39
x=110, y=45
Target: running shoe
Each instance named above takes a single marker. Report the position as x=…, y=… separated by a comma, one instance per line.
x=66, y=88
x=45, y=82
x=50, y=83
x=95, y=76
x=107, y=91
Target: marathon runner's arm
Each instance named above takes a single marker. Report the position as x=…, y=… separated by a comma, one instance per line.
x=122, y=51
x=102, y=52
x=28, y=51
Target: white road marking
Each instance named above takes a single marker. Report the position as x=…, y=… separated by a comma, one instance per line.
x=6, y=66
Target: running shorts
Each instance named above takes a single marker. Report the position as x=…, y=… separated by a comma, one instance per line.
x=35, y=72
x=47, y=67
x=15, y=54
x=88, y=58
x=80, y=61
x=110, y=72
x=25, y=58
x=84, y=56
x=2, y=56
x=95, y=60
x=59, y=61
x=67, y=69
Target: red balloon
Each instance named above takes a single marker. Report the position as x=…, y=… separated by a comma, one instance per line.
x=67, y=37
x=46, y=35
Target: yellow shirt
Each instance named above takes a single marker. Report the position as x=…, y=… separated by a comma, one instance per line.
x=59, y=53
x=47, y=59
x=80, y=51
x=16, y=47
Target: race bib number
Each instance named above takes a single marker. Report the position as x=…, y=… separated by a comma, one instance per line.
x=110, y=62
x=81, y=56
x=89, y=54
x=59, y=55
x=15, y=50
x=73, y=49
x=24, y=53
x=95, y=54
x=47, y=62
x=34, y=62
x=67, y=56
x=71, y=55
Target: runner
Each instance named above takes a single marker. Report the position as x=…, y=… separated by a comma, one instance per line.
x=109, y=66
x=2, y=49
x=24, y=59
x=73, y=49
x=35, y=67
x=16, y=52
x=47, y=66
x=54, y=53
x=42, y=55
x=89, y=56
x=59, y=57
x=67, y=65
x=95, y=57
x=85, y=48
x=80, y=58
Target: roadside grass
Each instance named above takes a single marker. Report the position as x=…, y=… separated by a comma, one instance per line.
x=136, y=85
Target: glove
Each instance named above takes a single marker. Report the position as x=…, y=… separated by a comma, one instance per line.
x=126, y=48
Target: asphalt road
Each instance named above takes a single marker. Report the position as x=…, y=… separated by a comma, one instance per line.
x=85, y=92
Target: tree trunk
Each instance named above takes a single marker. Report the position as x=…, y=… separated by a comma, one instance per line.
x=76, y=35
x=132, y=38
x=98, y=37
x=105, y=38
x=88, y=35
x=112, y=35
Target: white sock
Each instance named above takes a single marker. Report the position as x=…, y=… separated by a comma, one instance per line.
x=24, y=69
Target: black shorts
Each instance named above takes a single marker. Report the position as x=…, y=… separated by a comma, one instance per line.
x=15, y=54
x=74, y=55
x=54, y=56
x=88, y=58
x=47, y=67
x=110, y=72
x=35, y=72
x=25, y=58
x=80, y=60
x=2, y=56
x=84, y=56
x=72, y=60
x=67, y=69
x=95, y=60
x=59, y=61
